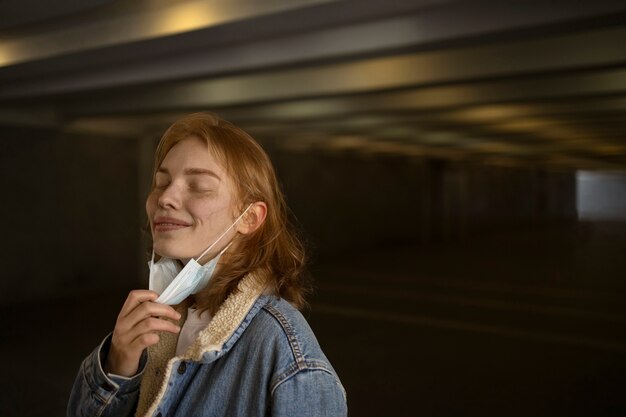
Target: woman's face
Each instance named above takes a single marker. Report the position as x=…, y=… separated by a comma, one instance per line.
x=192, y=204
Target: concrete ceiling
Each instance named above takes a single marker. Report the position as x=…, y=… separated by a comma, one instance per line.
x=516, y=82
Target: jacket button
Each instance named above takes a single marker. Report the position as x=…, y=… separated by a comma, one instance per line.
x=182, y=368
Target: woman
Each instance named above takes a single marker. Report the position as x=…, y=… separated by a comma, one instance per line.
x=219, y=332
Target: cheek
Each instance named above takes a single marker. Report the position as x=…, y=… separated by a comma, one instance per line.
x=206, y=213
x=200, y=212
x=151, y=205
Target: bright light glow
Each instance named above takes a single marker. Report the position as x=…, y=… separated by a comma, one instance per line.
x=185, y=17
x=601, y=195
x=490, y=113
x=6, y=56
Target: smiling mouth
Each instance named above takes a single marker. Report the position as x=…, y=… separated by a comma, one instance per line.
x=166, y=227
x=169, y=224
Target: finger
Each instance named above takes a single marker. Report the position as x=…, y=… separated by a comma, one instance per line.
x=138, y=337
x=127, y=340
x=144, y=340
x=135, y=298
x=143, y=311
x=153, y=324
x=150, y=309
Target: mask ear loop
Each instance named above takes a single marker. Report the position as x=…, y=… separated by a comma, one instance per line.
x=224, y=234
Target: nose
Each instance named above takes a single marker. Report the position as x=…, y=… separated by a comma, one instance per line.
x=170, y=197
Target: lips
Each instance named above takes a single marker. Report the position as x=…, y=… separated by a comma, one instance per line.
x=166, y=224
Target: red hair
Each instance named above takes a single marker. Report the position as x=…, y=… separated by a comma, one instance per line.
x=273, y=252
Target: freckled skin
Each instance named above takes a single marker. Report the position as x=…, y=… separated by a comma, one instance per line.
x=201, y=200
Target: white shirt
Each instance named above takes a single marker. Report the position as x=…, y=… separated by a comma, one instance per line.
x=194, y=324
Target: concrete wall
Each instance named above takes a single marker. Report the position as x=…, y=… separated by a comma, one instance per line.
x=72, y=209
x=69, y=217
x=351, y=201
x=343, y=201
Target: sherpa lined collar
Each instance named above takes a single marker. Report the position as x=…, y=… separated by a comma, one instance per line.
x=211, y=342
x=227, y=320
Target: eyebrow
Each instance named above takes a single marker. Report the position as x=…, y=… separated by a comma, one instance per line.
x=194, y=171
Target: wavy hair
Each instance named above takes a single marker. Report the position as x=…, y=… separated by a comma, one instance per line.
x=274, y=252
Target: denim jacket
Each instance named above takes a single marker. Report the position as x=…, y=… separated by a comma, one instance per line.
x=257, y=357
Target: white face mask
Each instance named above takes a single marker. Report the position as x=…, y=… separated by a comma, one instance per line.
x=175, y=284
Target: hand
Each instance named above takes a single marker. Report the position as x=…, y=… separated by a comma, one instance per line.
x=136, y=328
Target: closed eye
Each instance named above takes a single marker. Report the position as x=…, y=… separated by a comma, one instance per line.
x=201, y=189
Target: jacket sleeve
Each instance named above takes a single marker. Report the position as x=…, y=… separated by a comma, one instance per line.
x=311, y=393
x=95, y=394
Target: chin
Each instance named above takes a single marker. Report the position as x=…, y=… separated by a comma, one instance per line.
x=172, y=251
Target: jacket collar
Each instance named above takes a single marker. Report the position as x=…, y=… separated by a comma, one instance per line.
x=225, y=328
x=231, y=319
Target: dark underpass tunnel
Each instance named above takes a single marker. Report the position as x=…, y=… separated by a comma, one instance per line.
x=457, y=170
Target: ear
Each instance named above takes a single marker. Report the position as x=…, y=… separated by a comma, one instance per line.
x=253, y=219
